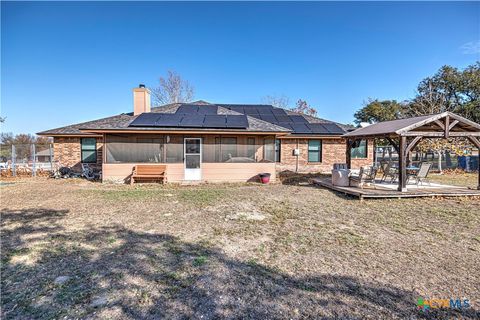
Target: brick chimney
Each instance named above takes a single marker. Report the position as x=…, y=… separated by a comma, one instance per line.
x=141, y=100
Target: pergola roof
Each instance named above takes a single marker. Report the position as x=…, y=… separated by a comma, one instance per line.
x=409, y=133
x=434, y=125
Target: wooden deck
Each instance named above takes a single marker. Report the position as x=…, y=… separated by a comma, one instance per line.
x=388, y=190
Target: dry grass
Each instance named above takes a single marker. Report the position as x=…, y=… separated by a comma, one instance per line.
x=229, y=251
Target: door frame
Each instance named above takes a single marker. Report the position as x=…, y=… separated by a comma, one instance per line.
x=185, y=158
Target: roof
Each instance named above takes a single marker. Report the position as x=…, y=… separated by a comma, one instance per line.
x=122, y=122
x=424, y=123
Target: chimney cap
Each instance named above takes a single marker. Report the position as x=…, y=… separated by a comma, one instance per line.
x=141, y=85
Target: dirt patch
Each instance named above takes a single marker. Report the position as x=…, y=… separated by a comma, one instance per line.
x=76, y=249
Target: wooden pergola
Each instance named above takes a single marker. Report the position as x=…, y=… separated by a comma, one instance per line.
x=405, y=134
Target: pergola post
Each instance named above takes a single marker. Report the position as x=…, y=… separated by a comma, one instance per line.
x=402, y=164
x=476, y=142
x=348, y=153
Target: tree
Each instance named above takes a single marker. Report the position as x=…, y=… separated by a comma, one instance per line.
x=451, y=90
x=278, y=101
x=172, y=89
x=377, y=111
x=303, y=107
x=2, y=119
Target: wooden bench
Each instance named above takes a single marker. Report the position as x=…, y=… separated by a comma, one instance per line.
x=149, y=172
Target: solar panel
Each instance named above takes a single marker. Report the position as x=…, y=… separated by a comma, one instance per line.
x=300, y=128
x=192, y=120
x=287, y=125
x=215, y=121
x=283, y=118
x=207, y=109
x=168, y=120
x=237, y=121
x=187, y=109
x=279, y=111
x=145, y=120
x=318, y=128
x=333, y=128
x=298, y=119
x=265, y=110
x=250, y=110
x=269, y=118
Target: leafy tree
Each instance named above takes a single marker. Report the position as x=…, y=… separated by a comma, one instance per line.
x=303, y=107
x=449, y=89
x=377, y=111
x=172, y=89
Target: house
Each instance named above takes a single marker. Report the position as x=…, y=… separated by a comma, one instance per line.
x=205, y=141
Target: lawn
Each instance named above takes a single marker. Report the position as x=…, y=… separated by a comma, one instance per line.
x=75, y=249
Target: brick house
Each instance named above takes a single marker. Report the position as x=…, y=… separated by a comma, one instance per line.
x=205, y=141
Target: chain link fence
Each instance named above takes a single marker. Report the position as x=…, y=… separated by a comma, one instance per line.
x=26, y=160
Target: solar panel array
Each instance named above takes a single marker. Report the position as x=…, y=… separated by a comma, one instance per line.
x=297, y=123
x=205, y=116
x=193, y=120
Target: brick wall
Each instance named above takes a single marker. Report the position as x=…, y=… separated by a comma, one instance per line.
x=333, y=151
x=66, y=150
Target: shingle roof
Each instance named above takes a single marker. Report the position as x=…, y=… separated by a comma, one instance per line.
x=396, y=127
x=122, y=121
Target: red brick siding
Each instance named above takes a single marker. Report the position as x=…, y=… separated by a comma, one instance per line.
x=66, y=151
x=333, y=151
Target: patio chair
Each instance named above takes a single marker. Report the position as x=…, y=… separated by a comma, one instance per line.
x=422, y=173
x=389, y=172
x=367, y=175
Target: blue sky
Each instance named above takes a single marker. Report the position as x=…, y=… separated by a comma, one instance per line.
x=63, y=63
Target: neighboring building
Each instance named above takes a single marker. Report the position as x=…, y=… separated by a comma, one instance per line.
x=204, y=141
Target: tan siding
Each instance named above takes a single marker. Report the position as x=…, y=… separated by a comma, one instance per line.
x=211, y=172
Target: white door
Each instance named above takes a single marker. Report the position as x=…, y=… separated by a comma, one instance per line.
x=193, y=158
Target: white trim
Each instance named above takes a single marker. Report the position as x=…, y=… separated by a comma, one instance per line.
x=185, y=159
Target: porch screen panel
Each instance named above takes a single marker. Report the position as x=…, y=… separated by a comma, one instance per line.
x=228, y=149
x=174, y=149
x=269, y=150
x=135, y=148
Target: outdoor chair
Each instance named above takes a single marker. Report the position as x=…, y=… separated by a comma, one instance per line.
x=422, y=174
x=367, y=175
x=389, y=172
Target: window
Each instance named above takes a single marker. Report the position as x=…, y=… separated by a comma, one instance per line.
x=278, y=145
x=359, y=149
x=88, y=148
x=121, y=148
x=314, y=151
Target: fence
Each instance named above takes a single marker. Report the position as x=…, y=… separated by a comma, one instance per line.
x=448, y=160
x=26, y=159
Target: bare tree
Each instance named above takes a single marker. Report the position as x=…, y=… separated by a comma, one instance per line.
x=278, y=101
x=303, y=107
x=172, y=89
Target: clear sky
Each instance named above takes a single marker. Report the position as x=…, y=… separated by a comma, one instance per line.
x=64, y=63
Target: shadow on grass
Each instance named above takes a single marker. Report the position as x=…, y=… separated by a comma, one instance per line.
x=114, y=272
